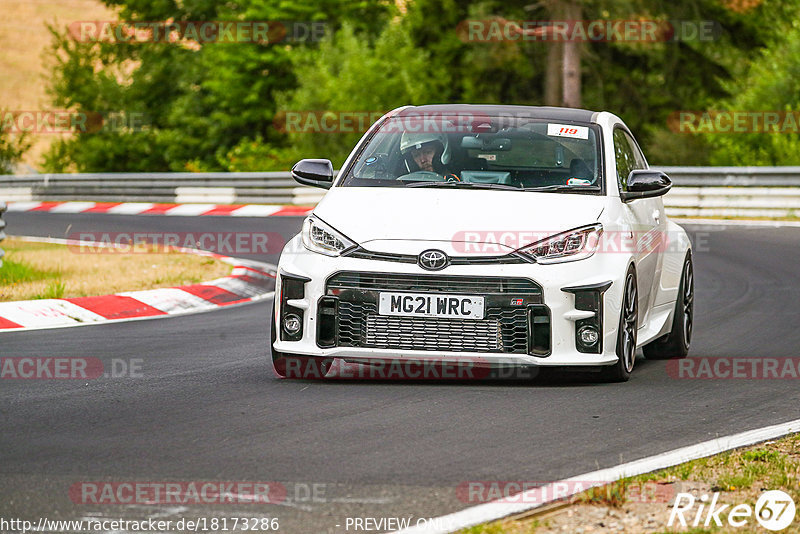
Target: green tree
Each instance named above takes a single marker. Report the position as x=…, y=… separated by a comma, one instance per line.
x=356, y=79
x=643, y=82
x=200, y=101
x=12, y=147
x=771, y=84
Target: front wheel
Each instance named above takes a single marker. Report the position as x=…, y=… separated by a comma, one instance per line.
x=626, y=334
x=676, y=343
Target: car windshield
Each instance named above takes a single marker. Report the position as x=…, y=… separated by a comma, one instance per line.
x=479, y=152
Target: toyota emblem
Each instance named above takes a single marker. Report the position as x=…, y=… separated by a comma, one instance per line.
x=433, y=260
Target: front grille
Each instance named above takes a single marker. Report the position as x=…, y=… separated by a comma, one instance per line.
x=514, y=328
x=433, y=284
x=503, y=329
x=433, y=333
x=351, y=331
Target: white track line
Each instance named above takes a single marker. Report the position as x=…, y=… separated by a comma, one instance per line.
x=537, y=497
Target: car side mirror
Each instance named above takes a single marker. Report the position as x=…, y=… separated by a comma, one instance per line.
x=645, y=183
x=314, y=172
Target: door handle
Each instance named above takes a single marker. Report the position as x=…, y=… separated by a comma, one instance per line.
x=657, y=216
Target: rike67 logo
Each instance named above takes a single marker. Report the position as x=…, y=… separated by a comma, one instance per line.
x=774, y=510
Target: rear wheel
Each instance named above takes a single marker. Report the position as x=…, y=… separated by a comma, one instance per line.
x=292, y=365
x=676, y=343
x=626, y=334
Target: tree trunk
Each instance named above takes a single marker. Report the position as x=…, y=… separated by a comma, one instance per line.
x=571, y=61
x=552, y=76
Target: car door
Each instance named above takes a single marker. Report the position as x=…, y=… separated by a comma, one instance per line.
x=644, y=219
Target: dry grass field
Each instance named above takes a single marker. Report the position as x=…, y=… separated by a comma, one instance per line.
x=44, y=270
x=24, y=41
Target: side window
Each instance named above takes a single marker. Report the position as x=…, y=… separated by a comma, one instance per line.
x=627, y=155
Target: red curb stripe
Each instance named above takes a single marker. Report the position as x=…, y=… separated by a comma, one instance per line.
x=213, y=294
x=116, y=306
x=223, y=209
x=102, y=207
x=293, y=210
x=162, y=209
x=159, y=209
x=248, y=299
x=254, y=270
x=46, y=206
x=253, y=281
x=5, y=323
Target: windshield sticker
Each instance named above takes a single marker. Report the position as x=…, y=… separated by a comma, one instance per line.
x=578, y=181
x=488, y=157
x=567, y=130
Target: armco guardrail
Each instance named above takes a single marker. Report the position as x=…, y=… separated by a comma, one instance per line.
x=734, y=191
x=698, y=191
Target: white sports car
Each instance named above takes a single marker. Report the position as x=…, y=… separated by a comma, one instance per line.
x=500, y=236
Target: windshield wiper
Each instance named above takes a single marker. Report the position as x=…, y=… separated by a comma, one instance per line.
x=563, y=187
x=464, y=185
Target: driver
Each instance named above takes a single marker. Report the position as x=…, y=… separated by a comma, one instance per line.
x=425, y=152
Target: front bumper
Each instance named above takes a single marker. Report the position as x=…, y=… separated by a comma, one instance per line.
x=316, y=270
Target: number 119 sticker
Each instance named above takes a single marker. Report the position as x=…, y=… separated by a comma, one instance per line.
x=567, y=130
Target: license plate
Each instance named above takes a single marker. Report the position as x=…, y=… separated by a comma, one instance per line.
x=428, y=305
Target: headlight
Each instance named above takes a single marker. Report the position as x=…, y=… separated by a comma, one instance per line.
x=577, y=244
x=320, y=237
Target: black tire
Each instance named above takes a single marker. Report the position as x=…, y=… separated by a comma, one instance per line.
x=675, y=345
x=626, y=333
x=294, y=366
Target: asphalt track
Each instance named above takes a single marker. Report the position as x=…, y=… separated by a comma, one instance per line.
x=207, y=407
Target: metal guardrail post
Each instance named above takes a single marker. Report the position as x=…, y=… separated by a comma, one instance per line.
x=2, y=229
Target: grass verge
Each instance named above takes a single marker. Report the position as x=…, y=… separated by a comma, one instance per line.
x=643, y=504
x=44, y=270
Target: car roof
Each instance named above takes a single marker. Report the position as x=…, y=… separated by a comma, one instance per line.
x=537, y=112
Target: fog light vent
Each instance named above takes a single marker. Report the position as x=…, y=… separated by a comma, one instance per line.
x=587, y=331
x=588, y=335
x=292, y=324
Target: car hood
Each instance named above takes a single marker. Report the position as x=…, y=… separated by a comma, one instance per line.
x=378, y=218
